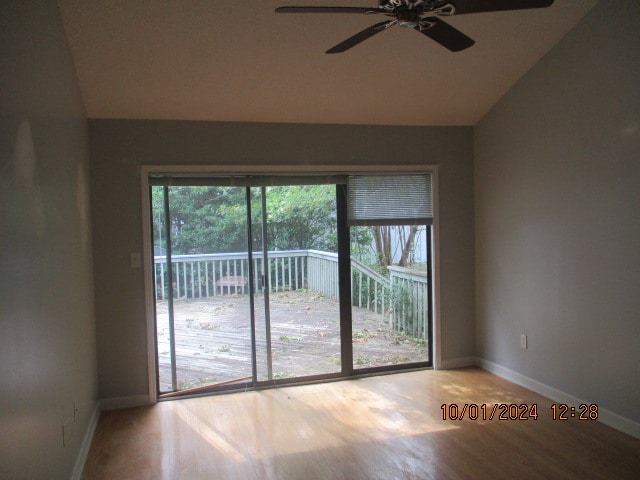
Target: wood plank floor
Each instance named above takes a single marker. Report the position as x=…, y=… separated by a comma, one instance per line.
x=386, y=427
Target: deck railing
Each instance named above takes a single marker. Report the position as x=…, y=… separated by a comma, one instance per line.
x=409, y=289
x=400, y=298
x=207, y=275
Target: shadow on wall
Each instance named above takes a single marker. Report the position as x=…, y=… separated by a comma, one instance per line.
x=22, y=207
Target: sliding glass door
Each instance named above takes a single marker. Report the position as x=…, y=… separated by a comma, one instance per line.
x=390, y=282
x=203, y=329
x=389, y=218
x=265, y=280
x=246, y=283
x=300, y=292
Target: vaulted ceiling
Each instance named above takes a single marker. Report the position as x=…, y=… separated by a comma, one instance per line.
x=240, y=61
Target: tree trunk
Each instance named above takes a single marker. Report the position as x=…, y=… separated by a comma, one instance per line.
x=383, y=244
x=382, y=237
x=408, y=246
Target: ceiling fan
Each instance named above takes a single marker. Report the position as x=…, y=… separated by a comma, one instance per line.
x=421, y=16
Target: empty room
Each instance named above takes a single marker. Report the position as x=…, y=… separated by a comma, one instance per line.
x=320, y=239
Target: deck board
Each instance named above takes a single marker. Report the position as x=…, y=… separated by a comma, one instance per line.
x=213, y=343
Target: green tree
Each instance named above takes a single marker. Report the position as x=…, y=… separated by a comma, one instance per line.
x=302, y=217
x=213, y=219
x=202, y=219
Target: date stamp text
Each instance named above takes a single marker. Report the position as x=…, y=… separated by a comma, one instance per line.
x=515, y=412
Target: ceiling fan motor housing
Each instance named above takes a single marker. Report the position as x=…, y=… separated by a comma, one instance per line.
x=393, y=4
x=408, y=18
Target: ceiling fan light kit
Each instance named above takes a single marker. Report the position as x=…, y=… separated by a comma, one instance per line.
x=422, y=16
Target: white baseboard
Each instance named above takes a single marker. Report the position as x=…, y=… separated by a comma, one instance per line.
x=78, y=467
x=604, y=416
x=115, y=403
x=458, y=362
x=104, y=404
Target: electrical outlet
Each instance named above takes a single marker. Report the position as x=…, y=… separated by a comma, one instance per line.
x=523, y=341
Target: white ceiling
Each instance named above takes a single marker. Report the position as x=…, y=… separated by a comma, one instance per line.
x=240, y=61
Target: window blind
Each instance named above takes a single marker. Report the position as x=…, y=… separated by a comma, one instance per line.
x=389, y=200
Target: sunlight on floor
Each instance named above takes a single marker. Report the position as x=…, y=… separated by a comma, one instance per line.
x=321, y=422
x=210, y=435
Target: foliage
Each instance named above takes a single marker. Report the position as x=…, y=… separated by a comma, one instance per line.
x=203, y=219
x=361, y=241
x=408, y=310
x=302, y=217
x=207, y=219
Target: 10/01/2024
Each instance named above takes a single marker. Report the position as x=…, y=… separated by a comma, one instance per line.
x=483, y=411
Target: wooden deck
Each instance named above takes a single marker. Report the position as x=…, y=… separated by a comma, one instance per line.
x=213, y=339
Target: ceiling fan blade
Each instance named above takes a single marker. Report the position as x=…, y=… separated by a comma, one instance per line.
x=443, y=33
x=328, y=10
x=361, y=36
x=479, y=6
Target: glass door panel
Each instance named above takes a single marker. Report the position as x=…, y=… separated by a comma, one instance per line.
x=203, y=328
x=300, y=282
x=390, y=299
x=210, y=330
x=264, y=370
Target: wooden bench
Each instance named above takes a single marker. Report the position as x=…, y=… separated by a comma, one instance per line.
x=231, y=281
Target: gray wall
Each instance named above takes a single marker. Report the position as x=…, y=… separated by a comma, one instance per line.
x=119, y=147
x=47, y=338
x=557, y=179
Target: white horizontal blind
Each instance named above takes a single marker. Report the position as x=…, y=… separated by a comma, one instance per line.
x=390, y=200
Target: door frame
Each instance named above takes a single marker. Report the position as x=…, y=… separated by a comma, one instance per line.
x=147, y=247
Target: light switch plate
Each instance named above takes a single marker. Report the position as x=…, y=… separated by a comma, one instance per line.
x=523, y=341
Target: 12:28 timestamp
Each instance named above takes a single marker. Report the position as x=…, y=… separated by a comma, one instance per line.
x=562, y=411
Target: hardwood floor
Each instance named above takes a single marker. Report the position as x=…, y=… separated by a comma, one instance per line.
x=382, y=427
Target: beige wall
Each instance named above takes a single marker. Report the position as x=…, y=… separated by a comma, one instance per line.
x=558, y=216
x=47, y=339
x=119, y=147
